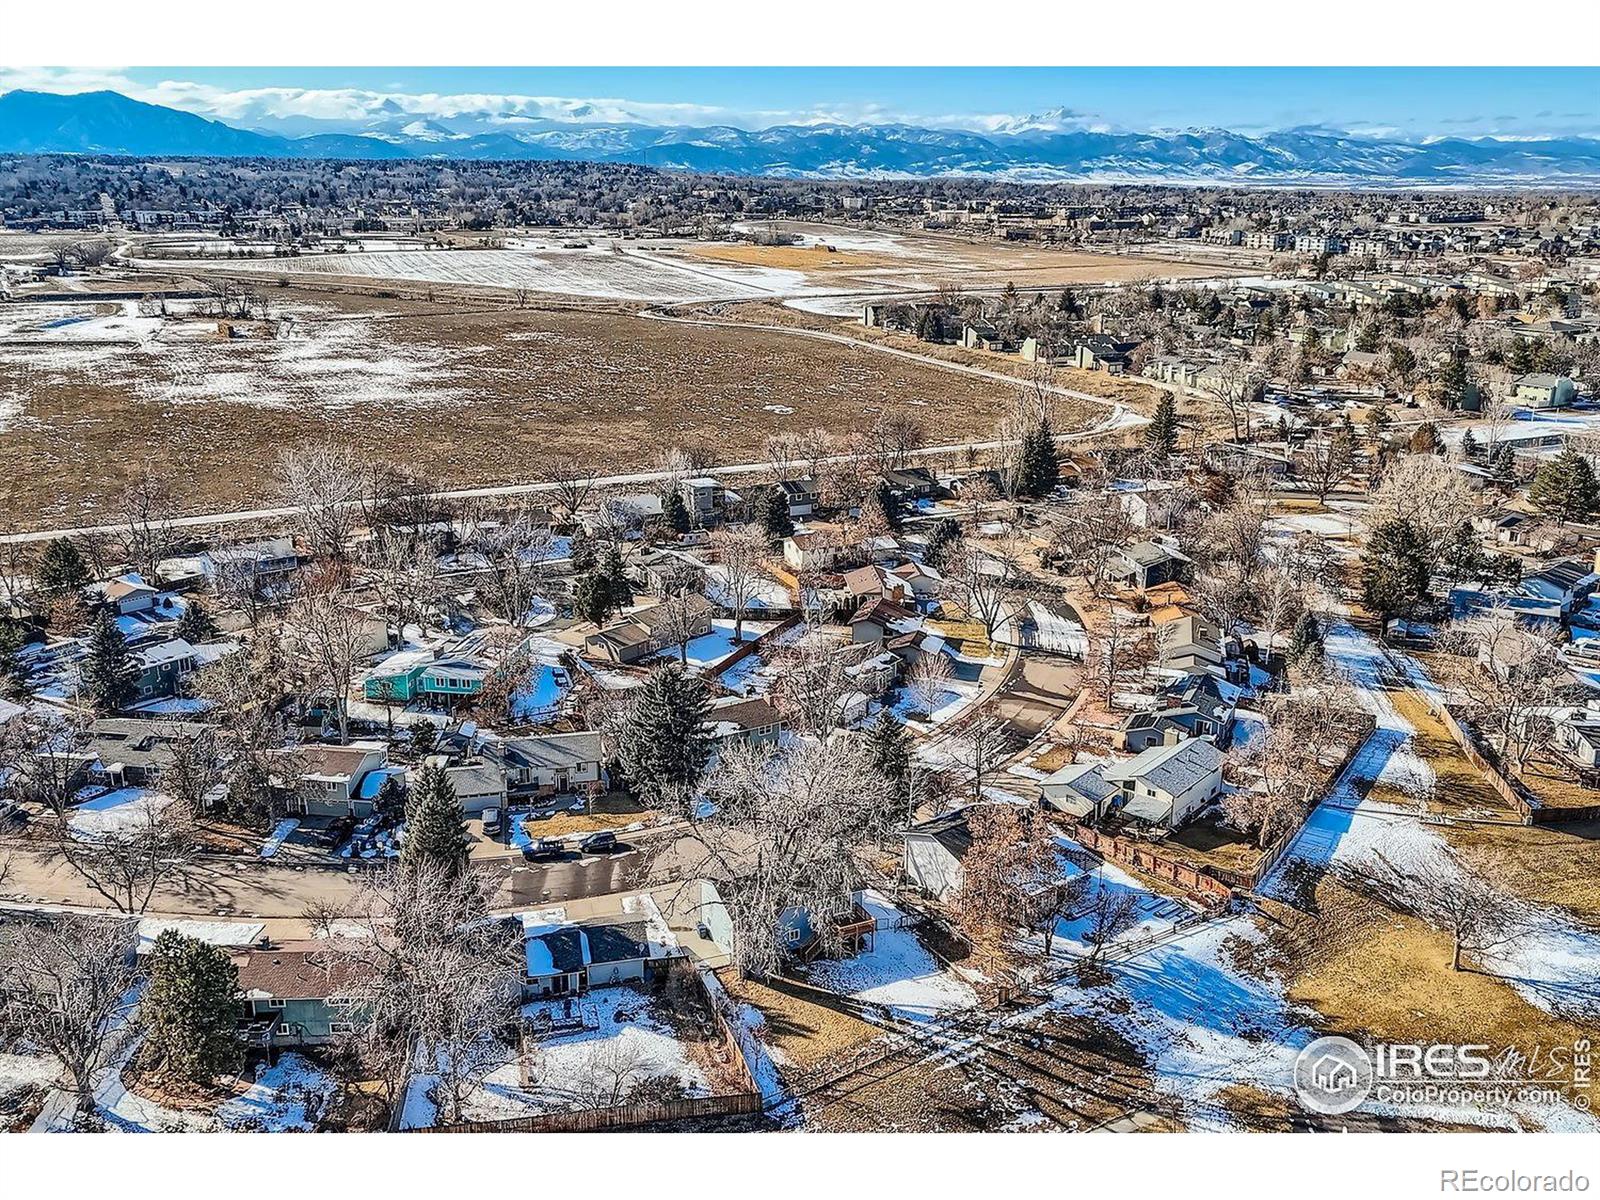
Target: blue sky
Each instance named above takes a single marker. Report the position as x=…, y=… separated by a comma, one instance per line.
x=1411, y=103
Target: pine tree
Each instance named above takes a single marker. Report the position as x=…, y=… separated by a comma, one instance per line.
x=943, y=534
x=108, y=670
x=1307, y=638
x=591, y=599
x=190, y=1009
x=889, y=748
x=675, y=512
x=435, y=827
x=1453, y=383
x=581, y=553
x=423, y=738
x=1565, y=487
x=195, y=625
x=1395, y=573
x=888, y=504
x=14, y=683
x=1469, y=445
x=61, y=568
x=773, y=511
x=618, y=590
x=1503, y=465
x=1161, y=435
x=1040, y=464
x=664, y=745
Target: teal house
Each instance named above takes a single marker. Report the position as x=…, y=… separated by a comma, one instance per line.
x=298, y=995
x=405, y=678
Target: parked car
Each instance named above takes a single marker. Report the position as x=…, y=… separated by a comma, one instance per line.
x=491, y=822
x=599, y=843
x=543, y=848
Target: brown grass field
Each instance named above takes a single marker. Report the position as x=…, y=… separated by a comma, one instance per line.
x=471, y=396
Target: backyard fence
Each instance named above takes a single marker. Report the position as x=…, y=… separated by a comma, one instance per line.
x=622, y=1116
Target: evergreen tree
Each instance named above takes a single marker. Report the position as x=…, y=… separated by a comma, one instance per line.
x=14, y=684
x=190, y=1009
x=1453, y=383
x=62, y=568
x=1469, y=445
x=109, y=671
x=1565, y=487
x=582, y=554
x=943, y=534
x=591, y=599
x=773, y=510
x=664, y=745
x=1503, y=465
x=1040, y=464
x=675, y=512
x=435, y=828
x=929, y=326
x=1161, y=435
x=423, y=738
x=888, y=504
x=1307, y=638
x=889, y=748
x=196, y=625
x=1395, y=573
x=615, y=576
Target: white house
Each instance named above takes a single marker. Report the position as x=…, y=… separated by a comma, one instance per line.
x=1541, y=390
x=933, y=853
x=1166, y=785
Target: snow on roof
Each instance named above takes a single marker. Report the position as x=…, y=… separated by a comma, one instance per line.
x=213, y=933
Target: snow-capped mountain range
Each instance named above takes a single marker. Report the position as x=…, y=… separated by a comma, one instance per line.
x=1058, y=145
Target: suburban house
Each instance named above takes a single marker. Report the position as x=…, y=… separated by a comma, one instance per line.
x=801, y=494
x=1541, y=390
x=933, y=853
x=1101, y=352
x=1575, y=735
x=1562, y=585
x=1198, y=705
x=549, y=765
x=665, y=571
x=163, y=667
x=416, y=675
x=1166, y=785
x=329, y=779
x=981, y=335
x=480, y=784
x=1080, y=790
x=751, y=722
x=647, y=632
x=880, y=621
x=872, y=581
x=134, y=751
x=261, y=565
x=1189, y=643
x=129, y=595
x=303, y=994
x=1143, y=565
x=817, y=547
x=565, y=957
x=700, y=496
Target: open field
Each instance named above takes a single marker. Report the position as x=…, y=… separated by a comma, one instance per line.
x=830, y=263
x=473, y=397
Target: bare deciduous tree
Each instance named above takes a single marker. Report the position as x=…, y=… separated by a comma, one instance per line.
x=741, y=570
x=331, y=636
x=812, y=684
x=1445, y=892
x=147, y=510
x=786, y=832
x=1509, y=677
x=927, y=680
x=69, y=983
x=569, y=479
x=323, y=483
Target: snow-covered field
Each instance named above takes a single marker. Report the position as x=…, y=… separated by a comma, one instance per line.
x=598, y=272
x=898, y=973
x=114, y=812
x=620, y=1027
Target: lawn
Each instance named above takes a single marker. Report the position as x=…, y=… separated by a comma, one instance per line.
x=1210, y=843
x=1462, y=789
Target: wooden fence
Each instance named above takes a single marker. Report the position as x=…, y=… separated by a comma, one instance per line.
x=622, y=1116
x=744, y=1102
x=1144, y=857
x=745, y=649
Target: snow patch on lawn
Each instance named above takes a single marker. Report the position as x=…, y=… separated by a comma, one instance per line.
x=898, y=973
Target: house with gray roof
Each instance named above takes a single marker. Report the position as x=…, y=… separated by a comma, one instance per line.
x=1166, y=785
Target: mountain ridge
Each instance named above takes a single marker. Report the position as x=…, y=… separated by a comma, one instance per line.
x=1051, y=147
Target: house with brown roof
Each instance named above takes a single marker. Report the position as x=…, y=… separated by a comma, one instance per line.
x=302, y=994
x=328, y=780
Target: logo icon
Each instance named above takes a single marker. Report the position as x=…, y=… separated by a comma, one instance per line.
x=1332, y=1075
